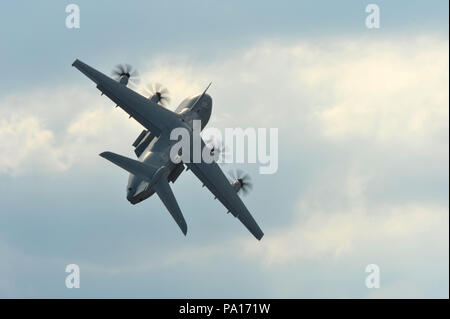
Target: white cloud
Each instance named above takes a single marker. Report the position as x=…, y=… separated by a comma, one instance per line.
x=390, y=96
x=382, y=92
x=52, y=131
x=343, y=233
x=26, y=141
x=386, y=91
x=389, y=91
x=409, y=241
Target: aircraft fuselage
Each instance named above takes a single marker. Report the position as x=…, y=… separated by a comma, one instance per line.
x=157, y=152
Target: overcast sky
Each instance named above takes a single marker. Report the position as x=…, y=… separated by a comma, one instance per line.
x=363, y=150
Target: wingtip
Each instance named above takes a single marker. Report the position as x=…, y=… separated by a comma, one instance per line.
x=74, y=63
x=184, y=229
x=259, y=235
x=104, y=154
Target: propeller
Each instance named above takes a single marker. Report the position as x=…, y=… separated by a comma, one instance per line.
x=218, y=150
x=242, y=181
x=125, y=73
x=157, y=93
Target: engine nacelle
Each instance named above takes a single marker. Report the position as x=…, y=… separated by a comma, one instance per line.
x=237, y=185
x=155, y=98
x=242, y=182
x=124, y=79
x=157, y=94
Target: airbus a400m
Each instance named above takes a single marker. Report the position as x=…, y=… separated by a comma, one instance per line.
x=153, y=169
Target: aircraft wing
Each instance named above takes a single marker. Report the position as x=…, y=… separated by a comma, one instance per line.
x=151, y=115
x=215, y=180
x=166, y=195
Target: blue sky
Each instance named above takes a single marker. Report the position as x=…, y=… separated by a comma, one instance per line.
x=363, y=150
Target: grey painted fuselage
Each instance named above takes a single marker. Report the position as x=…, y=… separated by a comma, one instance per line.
x=157, y=152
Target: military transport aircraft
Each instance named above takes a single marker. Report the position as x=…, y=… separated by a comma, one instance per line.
x=154, y=168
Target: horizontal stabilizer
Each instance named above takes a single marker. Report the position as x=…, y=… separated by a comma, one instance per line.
x=166, y=195
x=143, y=170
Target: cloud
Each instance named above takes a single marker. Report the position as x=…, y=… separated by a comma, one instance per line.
x=335, y=234
x=26, y=141
x=50, y=131
x=393, y=90
x=390, y=92
x=342, y=231
x=363, y=128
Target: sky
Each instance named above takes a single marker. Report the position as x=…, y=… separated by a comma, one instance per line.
x=363, y=151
